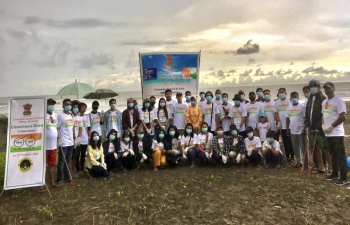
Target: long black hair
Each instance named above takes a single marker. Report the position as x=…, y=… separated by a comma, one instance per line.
x=110, y=132
x=204, y=123
x=176, y=135
x=191, y=134
x=149, y=109
x=164, y=108
x=157, y=136
x=92, y=142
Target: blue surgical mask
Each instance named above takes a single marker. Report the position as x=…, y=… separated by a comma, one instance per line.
x=96, y=138
x=269, y=139
x=113, y=106
x=126, y=139
x=161, y=135
x=313, y=90
x=75, y=110
x=188, y=98
x=218, y=96
x=267, y=97
x=111, y=137
x=282, y=96
x=202, y=96
x=237, y=102
x=307, y=95
x=193, y=103
x=140, y=135
x=224, y=100
x=242, y=97
x=130, y=105
x=234, y=132
x=136, y=107
x=147, y=105
x=260, y=94
x=295, y=101
x=204, y=129
x=67, y=108
x=172, y=133
x=209, y=98
x=162, y=104
x=189, y=131
x=50, y=108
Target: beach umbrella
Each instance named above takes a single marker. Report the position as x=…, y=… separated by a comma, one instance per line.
x=76, y=89
x=101, y=93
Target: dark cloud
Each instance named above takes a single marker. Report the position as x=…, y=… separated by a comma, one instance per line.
x=319, y=70
x=248, y=48
x=58, y=57
x=228, y=52
x=21, y=34
x=251, y=60
x=259, y=72
x=231, y=71
x=150, y=43
x=73, y=23
x=246, y=73
x=94, y=60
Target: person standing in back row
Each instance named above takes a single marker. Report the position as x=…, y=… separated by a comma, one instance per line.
x=218, y=98
x=334, y=115
x=254, y=109
x=169, y=105
x=96, y=119
x=210, y=112
x=112, y=119
x=268, y=108
x=179, y=113
x=238, y=115
x=224, y=109
x=130, y=117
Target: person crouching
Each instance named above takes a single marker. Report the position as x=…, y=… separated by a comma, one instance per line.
x=272, y=152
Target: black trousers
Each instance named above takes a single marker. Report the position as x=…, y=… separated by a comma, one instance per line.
x=337, y=150
x=287, y=143
x=80, y=153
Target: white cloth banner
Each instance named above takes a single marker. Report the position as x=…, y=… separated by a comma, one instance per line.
x=25, y=156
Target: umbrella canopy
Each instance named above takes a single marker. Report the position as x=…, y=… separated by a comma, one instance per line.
x=76, y=89
x=101, y=93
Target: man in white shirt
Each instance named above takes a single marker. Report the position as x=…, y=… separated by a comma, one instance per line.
x=224, y=109
x=77, y=132
x=238, y=115
x=253, y=146
x=202, y=99
x=96, y=119
x=272, y=151
x=260, y=94
x=169, y=104
x=334, y=115
x=268, y=107
x=217, y=99
x=188, y=98
x=179, y=114
x=254, y=109
x=84, y=140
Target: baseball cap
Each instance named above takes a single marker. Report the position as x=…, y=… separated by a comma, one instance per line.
x=237, y=97
x=249, y=129
x=262, y=114
x=218, y=127
x=328, y=84
x=240, y=92
x=51, y=101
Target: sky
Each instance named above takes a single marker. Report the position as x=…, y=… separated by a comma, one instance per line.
x=47, y=44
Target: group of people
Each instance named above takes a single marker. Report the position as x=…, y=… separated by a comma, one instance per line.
x=206, y=131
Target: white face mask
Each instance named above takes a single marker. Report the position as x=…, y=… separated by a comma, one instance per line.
x=220, y=132
x=250, y=134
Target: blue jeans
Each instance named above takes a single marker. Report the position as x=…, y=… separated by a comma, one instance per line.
x=64, y=155
x=191, y=155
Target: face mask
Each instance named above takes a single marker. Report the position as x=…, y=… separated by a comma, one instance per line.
x=189, y=131
x=237, y=102
x=130, y=105
x=270, y=140
x=126, y=139
x=172, y=133
x=113, y=106
x=136, y=107
x=204, y=130
x=75, y=110
x=260, y=94
x=95, y=108
x=162, y=104
x=250, y=134
x=161, y=135
x=50, y=108
x=307, y=95
x=147, y=105
x=193, y=103
x=188, y=98
x=224, y=100
x=209, y=98
x=328, y=92
x=140, y=135
x=96, y=138
x=234, y=132
x=282, y=96
x=218, y=96
x=267, y=97
x=242, y=97
x=153, y=103
x=202, y=96
x=67, y=108
x=313, y=90
x=220, y=132
x=111, y=137
x=295, y=101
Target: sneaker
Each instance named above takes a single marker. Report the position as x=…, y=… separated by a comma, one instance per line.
x=331, y=177
x=342, y=182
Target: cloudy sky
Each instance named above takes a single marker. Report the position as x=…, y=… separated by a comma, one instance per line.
x=47, y=44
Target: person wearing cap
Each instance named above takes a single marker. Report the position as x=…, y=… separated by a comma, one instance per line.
x=96, y=118
x=253, y=147
x=188, y=98
x=242, y=97
x=334, y=115
x=51, y=141
x=130, y=117
x=313, y=124
x=238, y=115
x=272, y=152
x=296, y=127
x=194, y=115
x=179, y=113
x=202, y=99
x=224, y=109
x=113, y=118
x=280, y=110
x=263, y=127
x=237, y=146
x=218, y=98
x=268, y=108
x=254, y=109
x=260, y=94
x=221, y=146
x=210, y=112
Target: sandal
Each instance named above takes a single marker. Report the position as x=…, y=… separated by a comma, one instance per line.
x=318, y=171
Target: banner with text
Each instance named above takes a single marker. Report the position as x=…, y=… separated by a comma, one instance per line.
x=25, y=157
x=178, y=72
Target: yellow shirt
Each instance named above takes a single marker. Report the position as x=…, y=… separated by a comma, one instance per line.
x=93, y=155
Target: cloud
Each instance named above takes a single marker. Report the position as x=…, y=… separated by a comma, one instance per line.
x=150, y=43
x=231, y=71
x=248, y=48
x=21, y=34
x=251, y=60
x=58, y=56
x=132, y=61
x=319, y=70
x=72, y=23
x=259, y=72
x=246, y=73
x=228, y=52
x=94, y=60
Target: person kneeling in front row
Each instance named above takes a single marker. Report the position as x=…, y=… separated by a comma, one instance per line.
x=237, y=149
x=253, y=146
x=272, y=152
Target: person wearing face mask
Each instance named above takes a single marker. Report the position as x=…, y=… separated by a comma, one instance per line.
x=148, y=116
x=237, y=146
x=218, y=98
x=260, y=94
x=313, y=124
x=334, y=116
x=189, y=145
x=272, y=152
x=242, y=97
x=296, y=127
x=220, y=146
x=306, y=91
x=280, y=110
x=65, y=142
x=224, y=109
x=263, y=127
x=194, y=115
x=159, y=149
x=137, y=107
x=84, y=140
x=126, y=152
x=188, y=98
x=162, y=115
x=202, y=99
x=130, y=117
x=173, y=156
x=96, y=118
x=254, y=109
x=169, y=104
x=268, y=108
x=142, y=149
x=153, y=101
x=238, y=115
x=95, y=159
x=179, y=113
x=210, y=112
x=77, y=132
x=113, y=118
x=110, y=151
x=204, y=140
x=253, y=147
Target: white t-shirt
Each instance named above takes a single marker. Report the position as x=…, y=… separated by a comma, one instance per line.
x=200, y=103
x=161, y=115
x=169, y=106
x=331, y=108
x=111, y=147
x=148, y=117
x=217, y=102
x=253, y=112
x=281, y=107
x=188, y=140
x=237, y=114
x=227, y=121
x=274, y=145
x=263, y=128
x=113, y=118
x=95, y=122
x=140, y=145
x=188, y=104
x=255, y=143
x=209, y=117
x=131, y=115
x=296, y=115
x=65, y=125
x=221, y=143
x=268, y=109
x=160, y=144
x=51, y=131
x=84, y=140
x=179, y=111
x=78, y=122
x=125, y=146
x=201, y=139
